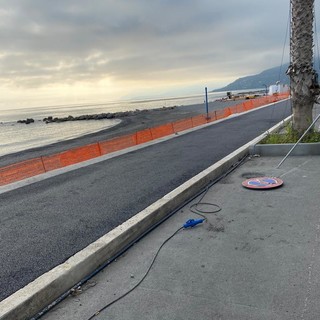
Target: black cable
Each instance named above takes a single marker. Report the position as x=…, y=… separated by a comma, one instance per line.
x=194, y=209
x=285, y=42
x=83, y=281
x=317, y=52
x=142, y=279
x=282, y=57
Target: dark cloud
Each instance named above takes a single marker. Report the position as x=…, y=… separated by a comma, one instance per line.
x=58, y=41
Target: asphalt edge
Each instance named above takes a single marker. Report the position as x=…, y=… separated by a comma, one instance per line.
x=38, y=294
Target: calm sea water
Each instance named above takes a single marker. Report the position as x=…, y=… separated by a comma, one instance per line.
x=16, y=137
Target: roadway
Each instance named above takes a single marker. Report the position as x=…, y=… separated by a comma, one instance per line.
x=43, y=224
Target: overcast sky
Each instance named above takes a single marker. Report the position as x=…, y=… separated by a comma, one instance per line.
x=71, y=51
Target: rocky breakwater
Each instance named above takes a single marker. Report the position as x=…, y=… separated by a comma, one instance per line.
x=99, y=116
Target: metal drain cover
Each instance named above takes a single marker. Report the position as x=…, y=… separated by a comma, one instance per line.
x=262, y=183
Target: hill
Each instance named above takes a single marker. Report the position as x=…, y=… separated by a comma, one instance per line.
x=266, y=77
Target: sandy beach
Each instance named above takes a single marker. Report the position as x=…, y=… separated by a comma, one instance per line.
x=129, y=124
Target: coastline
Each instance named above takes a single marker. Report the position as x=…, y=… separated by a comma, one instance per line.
x=131, y=123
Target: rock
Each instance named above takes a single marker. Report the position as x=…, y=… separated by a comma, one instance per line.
x=27, y=121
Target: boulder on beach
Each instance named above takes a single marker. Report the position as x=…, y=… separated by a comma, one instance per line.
x=26, y=121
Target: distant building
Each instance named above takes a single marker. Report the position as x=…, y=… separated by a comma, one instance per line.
x=278, y=88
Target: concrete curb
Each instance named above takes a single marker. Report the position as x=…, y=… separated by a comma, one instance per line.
x=29, y=300
x=273, y=150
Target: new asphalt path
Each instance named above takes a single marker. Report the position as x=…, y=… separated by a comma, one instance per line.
x=44, y=223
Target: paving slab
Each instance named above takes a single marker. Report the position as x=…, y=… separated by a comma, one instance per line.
x=257, y=258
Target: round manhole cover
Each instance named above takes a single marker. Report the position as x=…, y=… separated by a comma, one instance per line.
x=248, y=175
x=262, y=183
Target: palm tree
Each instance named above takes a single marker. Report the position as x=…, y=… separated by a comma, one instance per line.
x=301, y=72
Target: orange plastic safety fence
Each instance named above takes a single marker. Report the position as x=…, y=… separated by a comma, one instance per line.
x=281, y=96
x=118, y=143
x=181, y=125
x=248, y=105
x=256, y=103
x=241, y=108
x=212, y=116
x=143, y=136
x=259, y=102
x=227, y=112
x=233, y=109
x=72, y=156
x=220, y=114
x=162, y=131
x=270, y=99
x=199, y=120
x=20, y=171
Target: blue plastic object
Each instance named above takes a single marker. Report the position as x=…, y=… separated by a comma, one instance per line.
x=192, y=222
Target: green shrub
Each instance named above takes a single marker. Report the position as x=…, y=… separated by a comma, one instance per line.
x=290, y=136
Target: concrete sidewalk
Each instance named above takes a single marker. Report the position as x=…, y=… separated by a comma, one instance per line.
x=258, y=258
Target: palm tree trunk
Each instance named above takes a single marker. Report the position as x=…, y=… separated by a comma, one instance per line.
x=301, y=70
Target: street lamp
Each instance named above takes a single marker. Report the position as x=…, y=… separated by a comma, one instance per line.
x=266, y=89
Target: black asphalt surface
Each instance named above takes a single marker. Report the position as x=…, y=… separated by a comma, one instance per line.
x=43, y=224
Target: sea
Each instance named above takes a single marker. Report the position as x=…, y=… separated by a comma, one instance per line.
x=16, y=137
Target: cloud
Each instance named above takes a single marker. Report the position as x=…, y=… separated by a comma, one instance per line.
x=68, y=42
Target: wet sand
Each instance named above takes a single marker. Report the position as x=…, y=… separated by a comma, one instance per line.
x=130, y=124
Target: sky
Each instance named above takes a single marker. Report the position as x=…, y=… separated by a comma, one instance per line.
x=67, y=51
